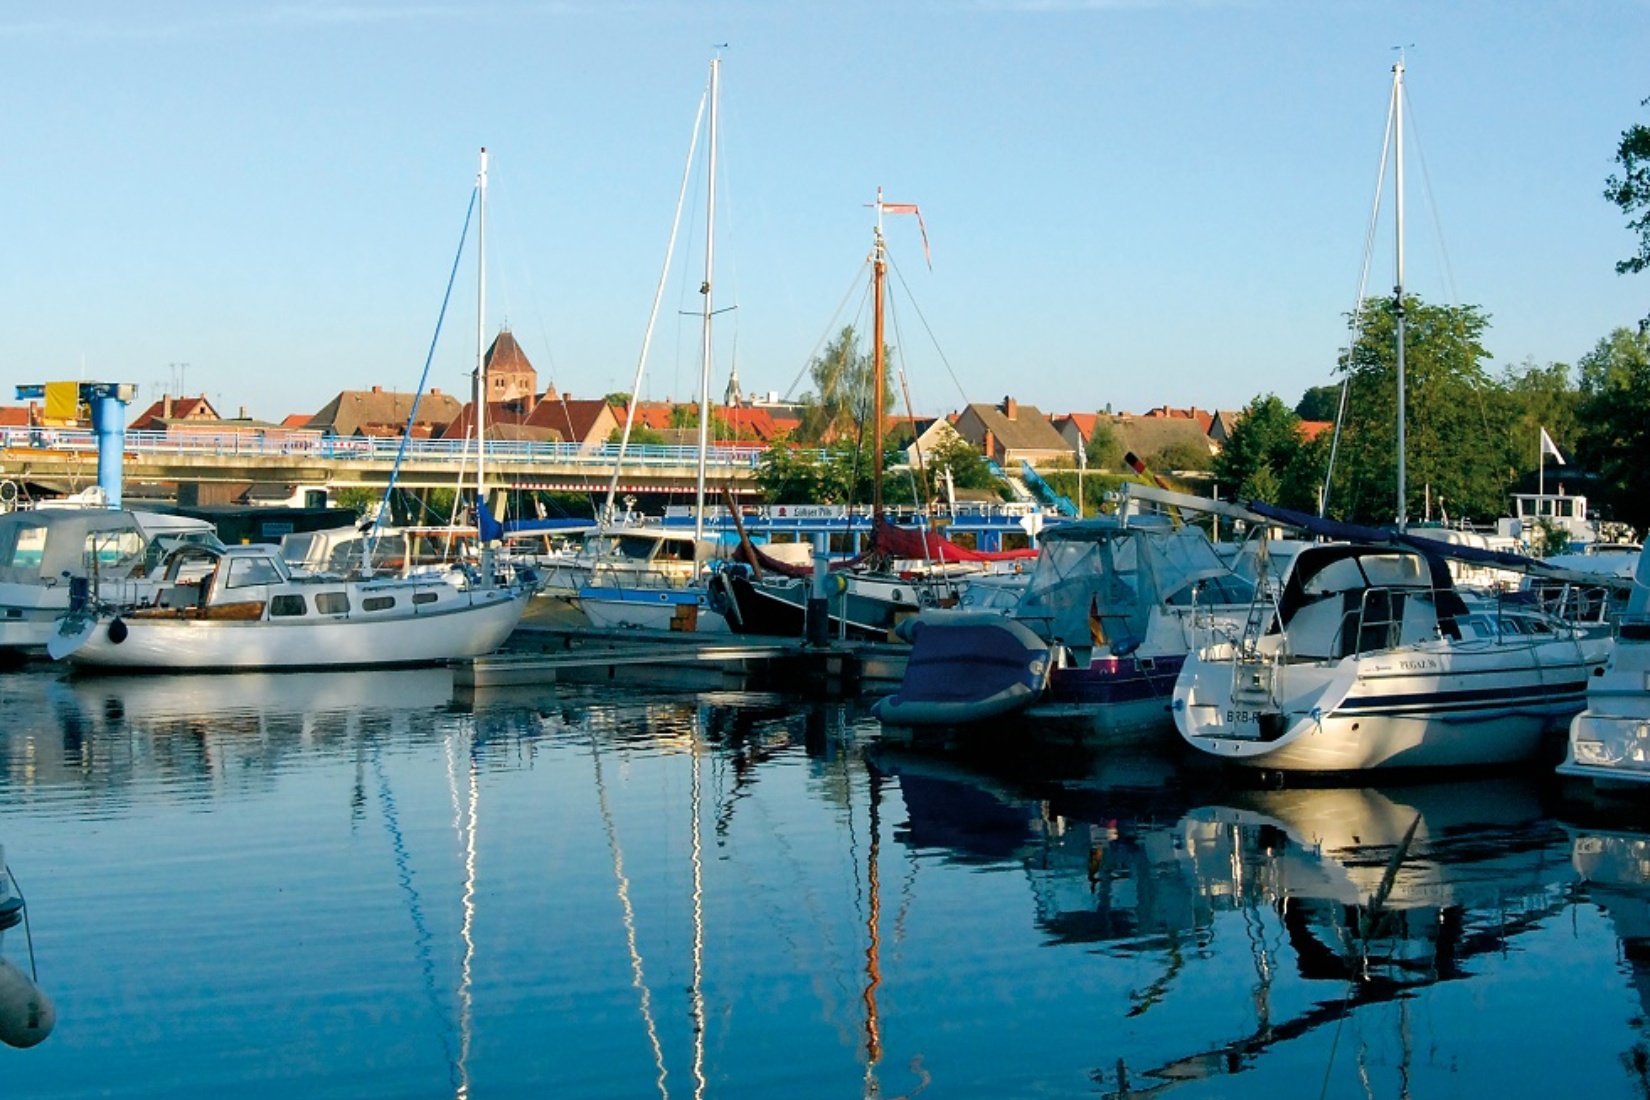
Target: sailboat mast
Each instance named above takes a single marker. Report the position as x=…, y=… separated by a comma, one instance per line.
x=481, y=337
x=879, y=270
x=709, y=307
x=1398, y=290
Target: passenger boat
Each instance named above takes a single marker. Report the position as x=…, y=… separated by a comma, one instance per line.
x=45, y=552
x=250, y=611
x=1610, y=740
x=1095, y=642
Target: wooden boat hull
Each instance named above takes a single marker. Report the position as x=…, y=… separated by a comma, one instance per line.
x=865, y=609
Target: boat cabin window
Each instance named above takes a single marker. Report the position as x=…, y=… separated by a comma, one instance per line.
x=424, y=597
x=673, y=550
x=377, y=603
x=636, y=547
x=28, y=548
x=332, y=603
x=286, y=606
x=841, y=542
x=247, y=572
x=1371, y=570
x=112, y=549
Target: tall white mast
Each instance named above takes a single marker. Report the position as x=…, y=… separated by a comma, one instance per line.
x=705, y=292
x=481, y=337
x=1398, y=290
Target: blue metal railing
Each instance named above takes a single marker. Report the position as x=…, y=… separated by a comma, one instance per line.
x=286, y=445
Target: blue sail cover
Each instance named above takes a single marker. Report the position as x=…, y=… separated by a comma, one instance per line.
x=1474, y=555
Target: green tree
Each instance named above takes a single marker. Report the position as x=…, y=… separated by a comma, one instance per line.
x=1455, y=424
x=966, y=465
x=842, y=402
x=1615, y=409
x=1537, y=398
x=1631, y=192
x=1263, y=445
x=837, y=474
x=1104, y=450
x=640, y=435
x=1182, y=454
x=1319, y=403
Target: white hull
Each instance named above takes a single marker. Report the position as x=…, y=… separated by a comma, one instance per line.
x=476, y=627
x=651, y=609
x=1610, y=740
x=1431, y=705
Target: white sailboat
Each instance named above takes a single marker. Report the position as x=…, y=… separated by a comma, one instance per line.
x=1370, y=658
x=244, y=608
x=622, y=588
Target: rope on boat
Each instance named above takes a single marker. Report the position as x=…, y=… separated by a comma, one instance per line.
x=28, y=933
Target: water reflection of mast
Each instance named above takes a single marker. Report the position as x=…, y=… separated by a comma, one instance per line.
x=465, y=826
x=696, y=996
x=638, y=980
x=873, y=946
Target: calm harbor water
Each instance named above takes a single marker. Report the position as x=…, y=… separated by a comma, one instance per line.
x=364, y=885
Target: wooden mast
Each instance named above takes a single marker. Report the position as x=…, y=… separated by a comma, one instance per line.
x=879, y=271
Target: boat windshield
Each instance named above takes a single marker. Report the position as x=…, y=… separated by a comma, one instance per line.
x=1117, y=575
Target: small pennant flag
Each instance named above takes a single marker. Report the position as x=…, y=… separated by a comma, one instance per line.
x=1548, y=447
x=909, y=208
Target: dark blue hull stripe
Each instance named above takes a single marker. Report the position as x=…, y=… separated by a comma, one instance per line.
x=1556, y=695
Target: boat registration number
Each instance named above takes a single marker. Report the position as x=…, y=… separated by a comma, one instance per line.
x=1242, y=723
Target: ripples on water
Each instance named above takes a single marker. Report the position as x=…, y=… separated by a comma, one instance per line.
x=362, y=885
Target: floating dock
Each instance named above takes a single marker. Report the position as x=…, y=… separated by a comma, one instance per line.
x=686, y=662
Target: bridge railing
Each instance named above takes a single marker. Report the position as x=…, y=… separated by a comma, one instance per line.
x=151, y=444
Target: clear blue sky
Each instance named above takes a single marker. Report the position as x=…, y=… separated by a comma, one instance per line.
x=1130, y=202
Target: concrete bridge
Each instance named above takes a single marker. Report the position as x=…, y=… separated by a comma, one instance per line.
x=69, y=455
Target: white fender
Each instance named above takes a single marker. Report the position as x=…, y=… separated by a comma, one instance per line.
x=27, y=1015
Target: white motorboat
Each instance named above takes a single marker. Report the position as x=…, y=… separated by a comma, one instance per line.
x=249, y=611
x=1371, y=659
x=46, y=552
x=1610, y=739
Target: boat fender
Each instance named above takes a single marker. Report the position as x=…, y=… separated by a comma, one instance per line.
x=117, y=631
x=27, y=1015
x=841, y=583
